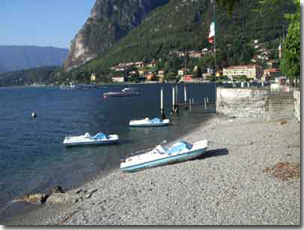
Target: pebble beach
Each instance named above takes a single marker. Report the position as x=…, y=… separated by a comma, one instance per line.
x=232, y=184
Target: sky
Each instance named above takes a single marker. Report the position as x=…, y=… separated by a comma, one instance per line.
x=42, y=22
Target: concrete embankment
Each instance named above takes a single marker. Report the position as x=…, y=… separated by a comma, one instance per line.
x=228, y=186
x=259, y=103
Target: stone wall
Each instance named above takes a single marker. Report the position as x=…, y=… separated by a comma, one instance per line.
x=243, y=102
x=297, y=104
x=281, y=106
x=258, y=103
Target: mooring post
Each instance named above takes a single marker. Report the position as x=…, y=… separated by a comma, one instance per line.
x=205, y=101
x=173, y=97
x=176, y=108
x=162, y=111
x=185, y=96
x=173, y=100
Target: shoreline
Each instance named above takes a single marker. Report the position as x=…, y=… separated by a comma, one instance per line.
x=12, y=210
x=228, y=185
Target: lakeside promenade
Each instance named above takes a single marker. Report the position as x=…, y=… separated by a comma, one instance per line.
x=231, y=185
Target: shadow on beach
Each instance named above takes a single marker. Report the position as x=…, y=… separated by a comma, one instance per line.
x=214, y=153
x=208, y=154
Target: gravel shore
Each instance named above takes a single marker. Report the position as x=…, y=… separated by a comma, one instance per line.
x=225, y=187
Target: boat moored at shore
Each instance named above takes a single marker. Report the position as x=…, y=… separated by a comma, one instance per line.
x=178, y=152
x=126, y=92
x=87, y=139
x=155, y=122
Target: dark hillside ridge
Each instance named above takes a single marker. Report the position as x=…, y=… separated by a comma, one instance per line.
x=13, y=58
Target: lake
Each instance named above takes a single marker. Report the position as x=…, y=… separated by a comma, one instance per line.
x=32, y=156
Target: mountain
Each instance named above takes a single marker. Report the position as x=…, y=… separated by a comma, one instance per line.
x=184, y=25
x=110, y=20
x=14, y=58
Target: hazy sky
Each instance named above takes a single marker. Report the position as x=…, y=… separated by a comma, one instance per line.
x=42, y=22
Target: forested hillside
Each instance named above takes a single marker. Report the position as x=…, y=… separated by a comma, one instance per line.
x=184, y=25
x=42, y=75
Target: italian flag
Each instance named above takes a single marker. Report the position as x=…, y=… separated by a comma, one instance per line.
x=211, y=33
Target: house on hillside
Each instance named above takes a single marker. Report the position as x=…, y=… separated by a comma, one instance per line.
x=150, y=77
x=161, y=75
x=252, y=71
x=151, y=64
x=134, y=72
x=187, y=78
x=139, y=64
x=183, y=72
x=195, y=54
x=205, y=50
x=118, y=79
x=93, y=77
x=142, y=72
x=271, y=63
x=219, y=73
x=271, y=74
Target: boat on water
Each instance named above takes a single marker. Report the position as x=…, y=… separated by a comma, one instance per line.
x=78, y=86
x=160, y=155
x=155, y=122
x=87, y=139
x=68, y=87
x=126, y=92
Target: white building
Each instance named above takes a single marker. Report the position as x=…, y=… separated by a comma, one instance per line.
x=253, y=71
x=118, y=79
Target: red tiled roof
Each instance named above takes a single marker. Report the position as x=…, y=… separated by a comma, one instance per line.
x=243, y=66
x=272, y=70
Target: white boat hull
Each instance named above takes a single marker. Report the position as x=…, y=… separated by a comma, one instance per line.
x=153, y=160
x=146, y=123
x=82, y=140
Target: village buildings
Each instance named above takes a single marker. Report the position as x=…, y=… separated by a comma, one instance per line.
x=93, y=77
x=118, y=79
x=253, y=71
x=149, y=71
x=271, y=74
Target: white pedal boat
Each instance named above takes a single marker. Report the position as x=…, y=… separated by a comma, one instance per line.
x=178, y=152
x=156, y=122
x=87, y=139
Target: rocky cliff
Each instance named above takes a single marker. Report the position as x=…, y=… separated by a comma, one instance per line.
x=109, y=21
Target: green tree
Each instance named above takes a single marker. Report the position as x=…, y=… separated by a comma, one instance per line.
x=197, y=73
x=290, y=62
x=229, y=3
x=171, y=76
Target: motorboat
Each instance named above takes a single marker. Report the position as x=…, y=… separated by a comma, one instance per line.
x=126, y=92
x=87, y=139
x=155, y=122
x=160, y=155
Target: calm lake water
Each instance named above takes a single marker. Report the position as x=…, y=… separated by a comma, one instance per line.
x=32, y=156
